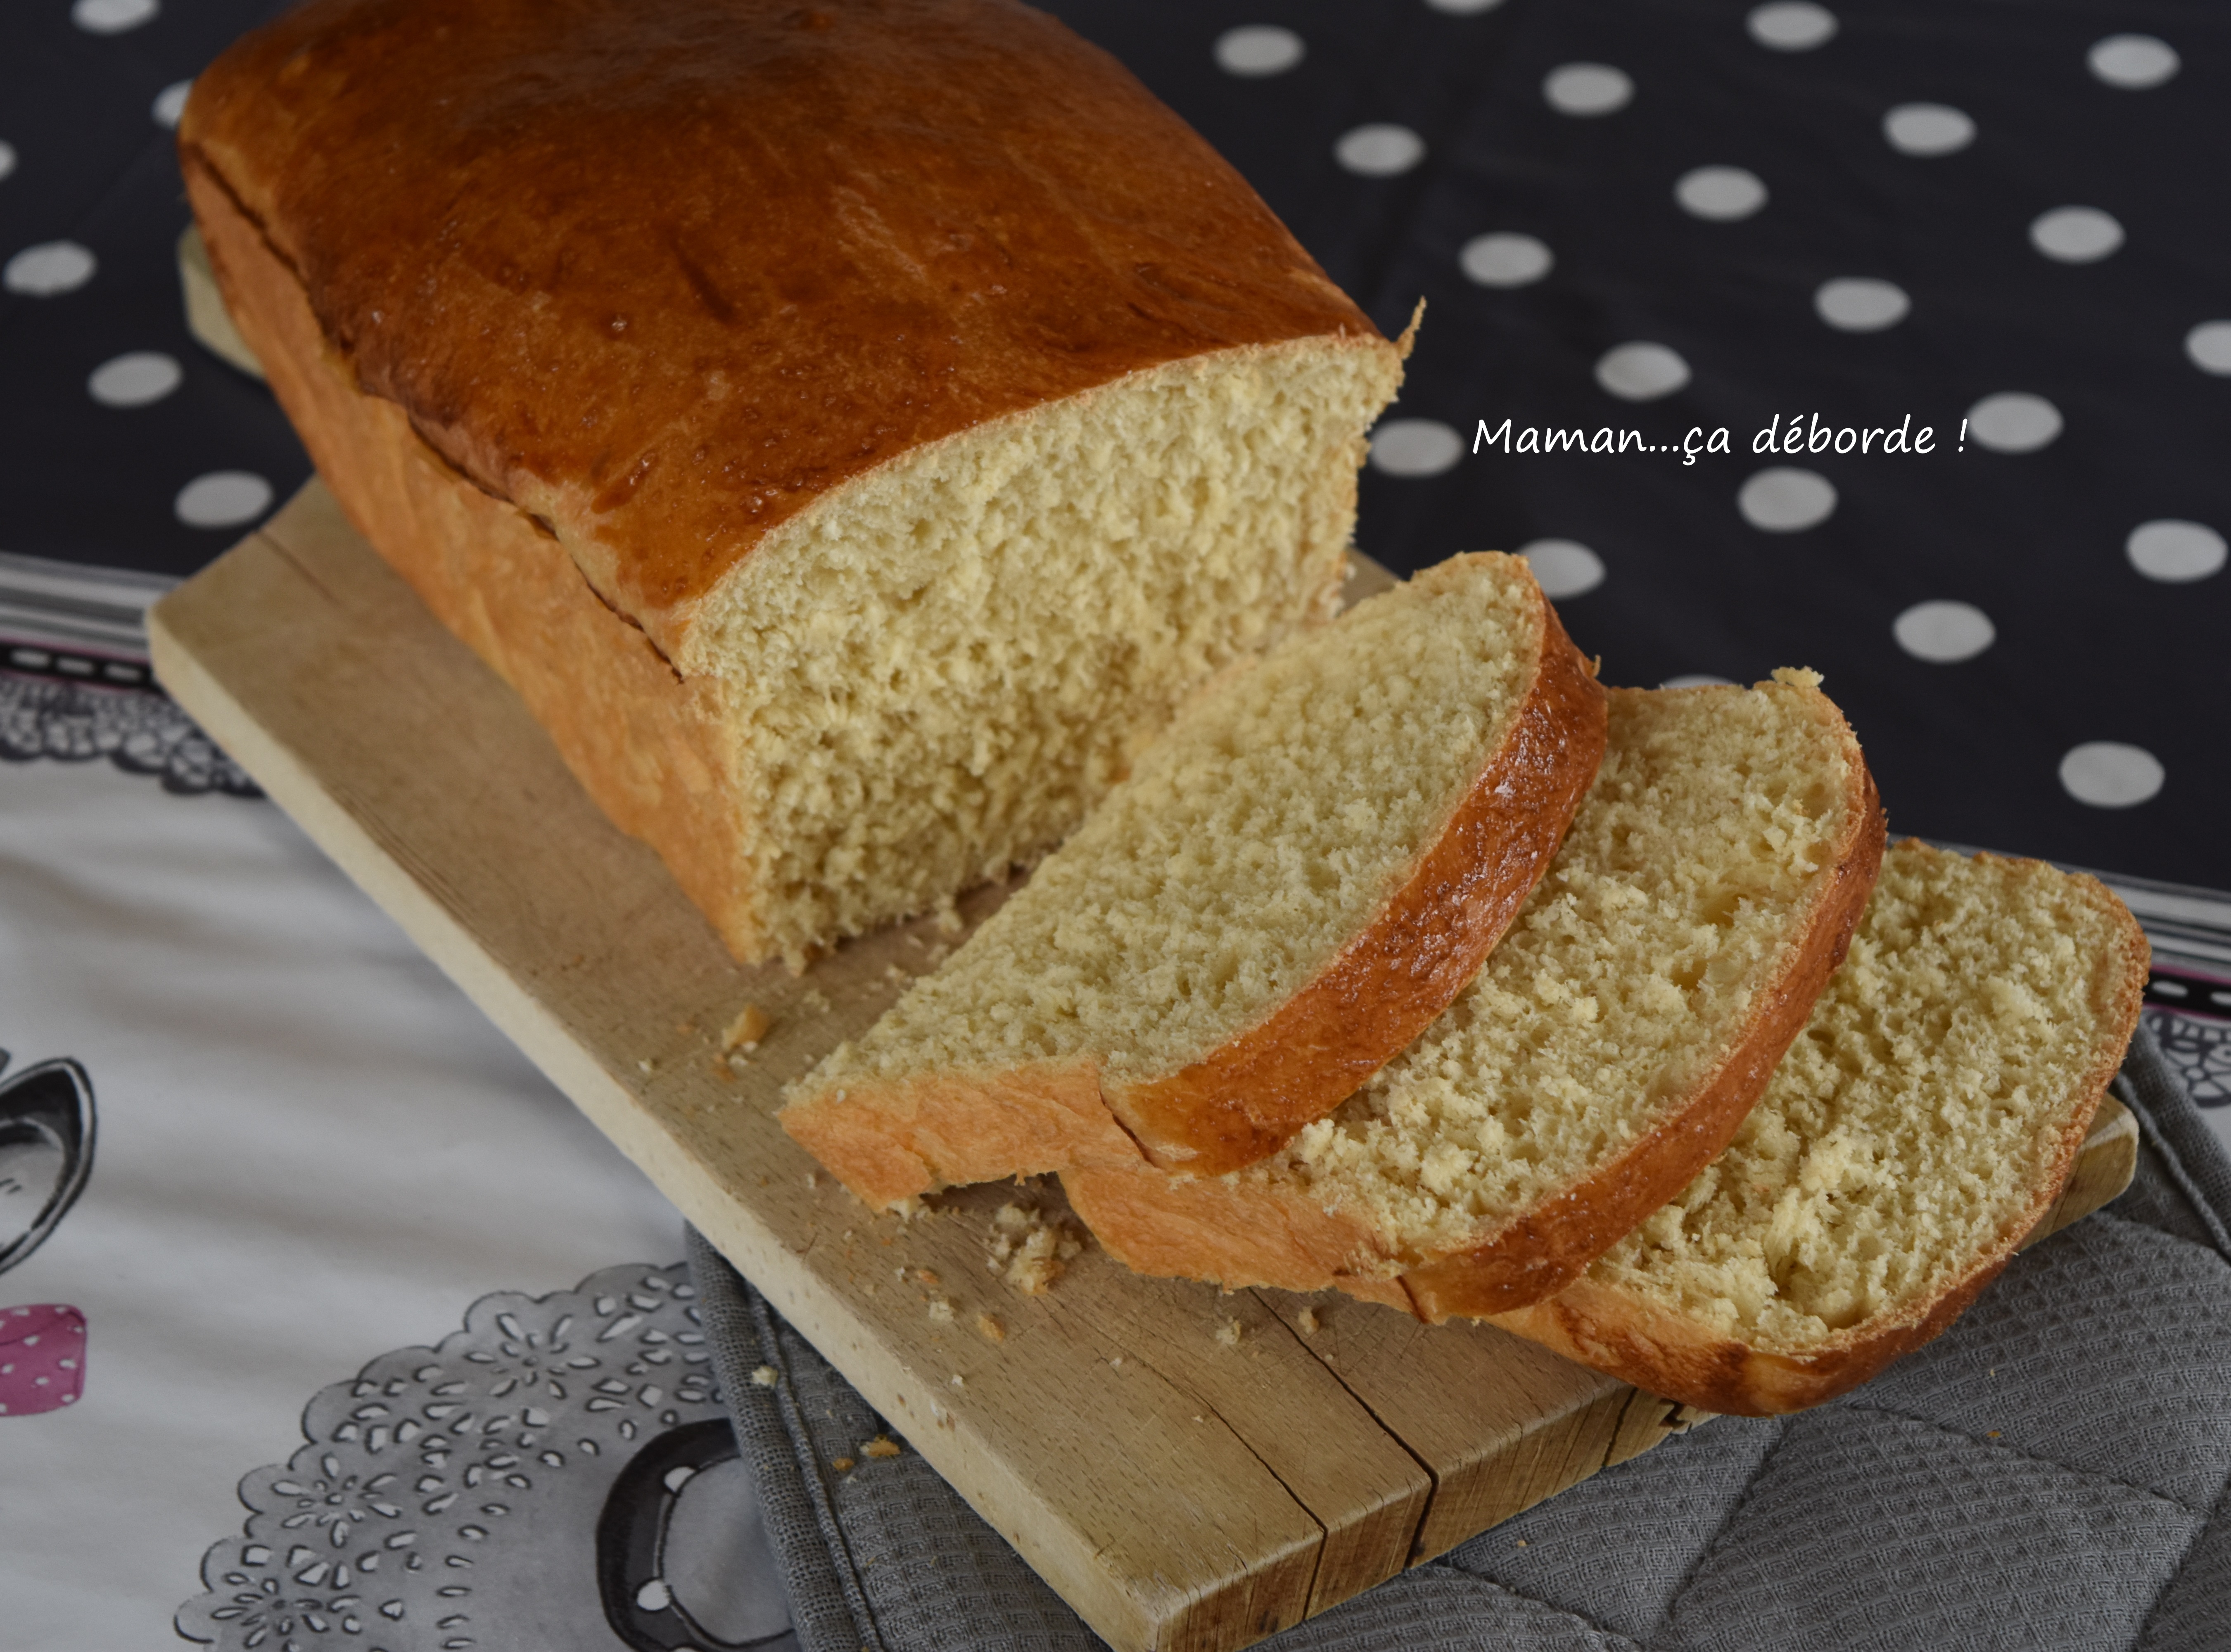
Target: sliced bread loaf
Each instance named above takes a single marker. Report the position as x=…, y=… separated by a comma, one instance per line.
x=1912, y=1137
x=1608, y=1049
x=1293, y=884
x=852, y=428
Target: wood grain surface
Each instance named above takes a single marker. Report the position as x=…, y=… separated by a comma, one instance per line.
x=1188, y=1469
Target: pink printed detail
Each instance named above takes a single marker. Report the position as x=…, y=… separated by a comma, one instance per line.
x=42, y=1358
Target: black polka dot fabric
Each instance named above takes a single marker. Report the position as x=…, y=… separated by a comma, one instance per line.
x=1893, y=340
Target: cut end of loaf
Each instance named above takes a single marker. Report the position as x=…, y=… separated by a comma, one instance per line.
x=933, y=676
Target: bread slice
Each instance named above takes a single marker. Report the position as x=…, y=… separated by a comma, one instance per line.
x=1294, y=883
x=1915, y=1133
x=853, y=431
x=1608, y=1050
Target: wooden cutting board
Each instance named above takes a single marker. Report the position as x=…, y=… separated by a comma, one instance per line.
x=1188, y=1469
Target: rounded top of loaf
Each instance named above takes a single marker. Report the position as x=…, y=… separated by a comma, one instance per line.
x=667, y=271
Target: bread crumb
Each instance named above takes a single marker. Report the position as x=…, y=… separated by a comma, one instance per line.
x=991, y=1329
x=892, y=972
x=957, y=1382
x=949, y=915
x=1307, y=1319
x=1033, y=1251
x=1522, y=1542
x=1116, y=1363
x=927, y=1275
x=940, y=1309
x=752, y=1024
x=1230, y=1332
x=765, y=1376
x=813, y=999
x=842, y=1465
x=646, y=1067
x=881, y=1446
x=812, y=1180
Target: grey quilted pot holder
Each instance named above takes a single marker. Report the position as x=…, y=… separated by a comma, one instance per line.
x=2049, y=1473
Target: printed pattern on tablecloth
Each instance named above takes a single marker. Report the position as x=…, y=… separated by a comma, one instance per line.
x=559, y=1474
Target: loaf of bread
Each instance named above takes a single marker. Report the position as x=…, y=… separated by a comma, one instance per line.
x=853, y=429
x=1297, y=879
x=1610, y=1046
x=1917, y=1130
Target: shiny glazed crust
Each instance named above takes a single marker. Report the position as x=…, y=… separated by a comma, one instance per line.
x=1248, y=1232
x=1643, y=1342
x=894, y=1141
x=649, y=747
x=577, y=245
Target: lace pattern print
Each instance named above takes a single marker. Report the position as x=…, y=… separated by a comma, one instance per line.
x=2200, y=1051
x=139, y=731
x=437, y=1489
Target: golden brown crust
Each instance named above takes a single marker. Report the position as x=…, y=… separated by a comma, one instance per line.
x=1555, y=1243
x=651, y=748
x=667, y=274
x=1643, y=1342
x=949, y=1129
x=1249, y=1098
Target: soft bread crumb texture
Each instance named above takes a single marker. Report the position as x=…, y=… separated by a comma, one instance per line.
x=1715, y=817
x=931, y=674
x=1909, y=1129
x=1280, y=812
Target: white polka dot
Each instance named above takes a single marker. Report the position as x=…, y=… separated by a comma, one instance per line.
x=112, y=17
x=2109, y=775
x=2210, y=347
x=1380, y=150
x=2013, y=421
x=134, y=380
x=7, y=158
x=1587, y=88
x=2134, y=63
x=1693, y=680
x=1415, y=447
x=1792, y=26
x=1861, y=304
x=1721, y=193
x=1641, y=372
x=1563, y=568
x=1505, y=260
x=50, y=268
x=223, y=499
x=1463, y=8
x=171, y=103
x=1943, y=633
x=1258, y=49
x=1783, y=499
x=1928, y=129
x=2175, y=552
x=2075, y=235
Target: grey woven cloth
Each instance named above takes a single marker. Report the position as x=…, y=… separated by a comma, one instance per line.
x=2049, y=1473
